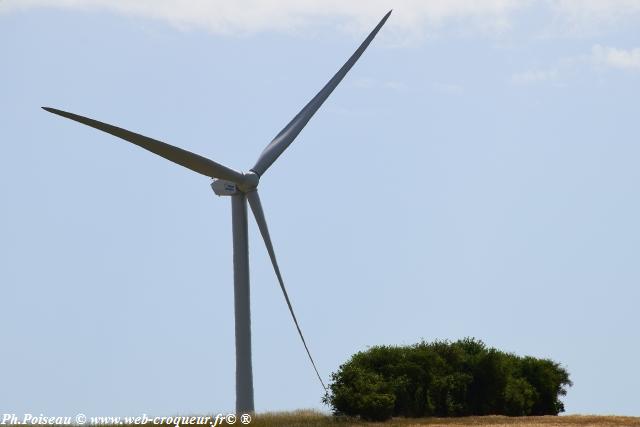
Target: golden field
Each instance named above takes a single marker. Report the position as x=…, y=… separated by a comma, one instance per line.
x=305, y=418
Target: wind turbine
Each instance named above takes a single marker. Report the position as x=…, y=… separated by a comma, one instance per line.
x=241, y=187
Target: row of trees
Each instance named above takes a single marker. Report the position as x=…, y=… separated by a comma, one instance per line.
x=446, y=379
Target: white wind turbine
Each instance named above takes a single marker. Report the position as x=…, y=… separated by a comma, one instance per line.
x=241, y=187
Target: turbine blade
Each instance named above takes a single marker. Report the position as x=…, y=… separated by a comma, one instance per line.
x=177, y=155
x=286, y=136
x=256, y=208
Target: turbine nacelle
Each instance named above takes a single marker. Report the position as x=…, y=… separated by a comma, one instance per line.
x=224, y=188
x=248, y=183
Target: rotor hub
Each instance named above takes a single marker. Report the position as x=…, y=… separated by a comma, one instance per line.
x=250, y=182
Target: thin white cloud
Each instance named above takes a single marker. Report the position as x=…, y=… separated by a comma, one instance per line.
x=448, y=88
x=369, y=83
x=616, y=58
x=569, y=67
x=411, y=18
x=395, y=85
x=592, y=17
x=534, y=76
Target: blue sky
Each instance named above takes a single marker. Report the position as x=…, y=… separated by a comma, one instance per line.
x=475, y=174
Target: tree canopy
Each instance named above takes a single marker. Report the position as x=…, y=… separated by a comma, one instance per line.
x=444, y=379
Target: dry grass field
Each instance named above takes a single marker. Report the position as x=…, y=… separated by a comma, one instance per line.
x=312, y=418
x=306, y=418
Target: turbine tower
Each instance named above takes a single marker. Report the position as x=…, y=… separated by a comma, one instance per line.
x=241, y=187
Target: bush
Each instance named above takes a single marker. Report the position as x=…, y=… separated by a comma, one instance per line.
x=445, y=379
x=362, y=392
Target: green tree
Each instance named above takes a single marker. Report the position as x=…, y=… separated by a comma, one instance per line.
x=445, y=379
